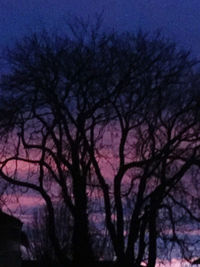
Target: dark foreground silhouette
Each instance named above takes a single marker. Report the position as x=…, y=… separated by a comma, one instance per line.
x=39, y=264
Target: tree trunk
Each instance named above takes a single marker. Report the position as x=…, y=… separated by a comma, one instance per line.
x=82, y=249
x=152, y=236
x=52, y=231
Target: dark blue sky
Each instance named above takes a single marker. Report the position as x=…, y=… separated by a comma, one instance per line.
x=178, y=19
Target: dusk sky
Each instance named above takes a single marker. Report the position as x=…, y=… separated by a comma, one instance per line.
x=179, y=20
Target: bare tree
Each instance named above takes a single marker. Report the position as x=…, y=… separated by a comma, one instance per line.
x=41, y=248
x=108, y=114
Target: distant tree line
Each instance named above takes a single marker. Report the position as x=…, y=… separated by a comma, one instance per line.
x=105, y=126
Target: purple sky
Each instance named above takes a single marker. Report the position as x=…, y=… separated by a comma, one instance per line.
x=178, y=19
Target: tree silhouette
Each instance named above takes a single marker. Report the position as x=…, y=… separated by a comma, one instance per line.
x=108, y=115
x=41, y=248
